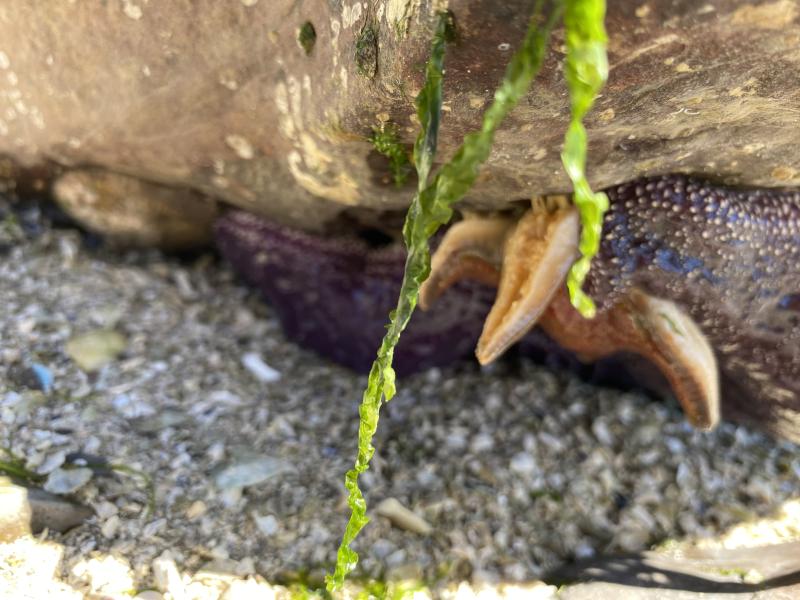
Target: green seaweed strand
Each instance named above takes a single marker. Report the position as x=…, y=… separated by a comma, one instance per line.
x=586, y=72
x=430, y=209
x=381, y=381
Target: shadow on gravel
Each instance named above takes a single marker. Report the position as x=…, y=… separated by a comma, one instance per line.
x=774, y=571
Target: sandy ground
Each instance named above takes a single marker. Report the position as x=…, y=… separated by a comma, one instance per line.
x=483, y=478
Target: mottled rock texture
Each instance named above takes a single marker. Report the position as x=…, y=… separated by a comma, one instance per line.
x=134, y=212
x=223, y=98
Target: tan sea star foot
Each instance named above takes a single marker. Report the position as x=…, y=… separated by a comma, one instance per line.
x=529, y=261
x=654, y=328
x=471, y=249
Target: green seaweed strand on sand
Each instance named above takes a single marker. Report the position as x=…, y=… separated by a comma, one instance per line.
x=430, y=209
x=586, y=71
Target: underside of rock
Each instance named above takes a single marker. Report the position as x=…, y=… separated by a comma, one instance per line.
x=270, y=105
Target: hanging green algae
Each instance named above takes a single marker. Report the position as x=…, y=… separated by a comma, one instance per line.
x=586, y=71
x=430, y=209
x=381, y=380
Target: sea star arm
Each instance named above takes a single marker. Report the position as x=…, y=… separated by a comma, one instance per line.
x=651, y=327
x=536, y=257
x=529, y=262
x=471, y=249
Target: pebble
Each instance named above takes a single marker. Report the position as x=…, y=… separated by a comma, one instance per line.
x=196, y=510
x=602, y=432
x=259, y=369
x=167, y=578
x=15, y=512
x=456, y=440
x=401, y=517
x=154, y=528
x=154, y=422
x=54, y=513
x=267, y=524
x=44, y=377
x=523, y=464
x=95, y=349
x=106, y=576
x=552, y=442
x=216, y=451
x=231, y=498
x=633, y=538
x=382, y=548
x=675, y=446
x=584, y=550
x=110, y=527
x=105, y=509
x=35, y=377
x=67, y=481
x=251, y=472
x=184, y=285
x=52, y=462
x=131, y=407
x=481, y=443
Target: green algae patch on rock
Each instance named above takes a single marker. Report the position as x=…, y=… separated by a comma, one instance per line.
x=367, y=52
x=307, y=37
x=387, y=142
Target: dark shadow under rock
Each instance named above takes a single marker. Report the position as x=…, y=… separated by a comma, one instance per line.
x=333, y=295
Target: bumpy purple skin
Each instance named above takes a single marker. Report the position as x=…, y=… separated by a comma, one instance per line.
x=333, y=295
x=731, y=259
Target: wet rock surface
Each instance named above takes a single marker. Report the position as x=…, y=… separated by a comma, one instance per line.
x=132, y=212
x=278, y=122
x=518, y=470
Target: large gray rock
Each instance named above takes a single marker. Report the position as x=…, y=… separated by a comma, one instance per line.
x=223, y=98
